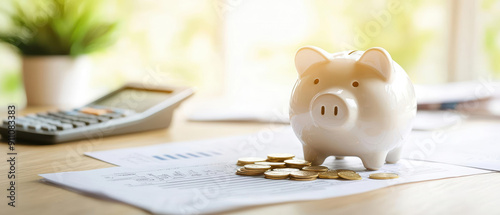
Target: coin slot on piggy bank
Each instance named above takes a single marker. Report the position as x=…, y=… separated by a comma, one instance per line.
x=351, y=104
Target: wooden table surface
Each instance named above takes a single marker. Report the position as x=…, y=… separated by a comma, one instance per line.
x=477, y=194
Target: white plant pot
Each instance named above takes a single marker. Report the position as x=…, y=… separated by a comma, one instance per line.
x=57, y=81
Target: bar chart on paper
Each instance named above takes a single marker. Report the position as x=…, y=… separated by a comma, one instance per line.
x=187, y=155
x=216, y=150
x=156, y=155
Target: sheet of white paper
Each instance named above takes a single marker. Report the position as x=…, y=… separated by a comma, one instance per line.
x=472, y=144
x=192, y=187
x=199, y=177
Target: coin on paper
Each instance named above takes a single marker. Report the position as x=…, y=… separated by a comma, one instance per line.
x=249, y=160
x=244, y=171
x=280, y=156
x=315, y=168
x=349, y=175
x=303, y=179
x=345, y=170
x=297, y=162
x=272, y=164
x=304, y=174
x=276, y=175
x=384, y=176
x=257, y=167
x=330, y=174
x=286, y=169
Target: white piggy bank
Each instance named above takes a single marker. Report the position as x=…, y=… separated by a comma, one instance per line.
x=351, y=103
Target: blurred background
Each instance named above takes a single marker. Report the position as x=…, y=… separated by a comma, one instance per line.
x=245, y=49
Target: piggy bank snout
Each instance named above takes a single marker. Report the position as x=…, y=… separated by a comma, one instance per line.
x=334, y=109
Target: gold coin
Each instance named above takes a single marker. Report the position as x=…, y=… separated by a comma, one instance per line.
x=295, y=166
x=297, y=162
x=330, y=174
x=286, y=169
x=303, y=179
x=349, y=175
x=345, y=170
x=315, y=168
x=248, y=174
x=384, y=176
x=250, y=160
x=280, y=156
x=257, y=167
x=277, y=174
x=304, y=174
x=276, y=178
x=272, y=164
x=243, y=169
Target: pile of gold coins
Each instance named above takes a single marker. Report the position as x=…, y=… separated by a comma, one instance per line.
x=284, y=166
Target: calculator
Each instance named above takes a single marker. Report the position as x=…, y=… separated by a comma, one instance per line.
x=131, y=108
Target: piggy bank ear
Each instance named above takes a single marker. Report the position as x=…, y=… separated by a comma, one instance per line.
x=307, y=56
x=379, y=59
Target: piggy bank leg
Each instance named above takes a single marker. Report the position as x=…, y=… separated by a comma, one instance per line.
x=339, y=157
x=312, y=155
x=394, y=155
x=373, y=161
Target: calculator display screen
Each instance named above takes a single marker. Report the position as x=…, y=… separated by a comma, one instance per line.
x=135, y=99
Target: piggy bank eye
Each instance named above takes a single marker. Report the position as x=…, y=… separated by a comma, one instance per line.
x=316, y=81
x=355, y=84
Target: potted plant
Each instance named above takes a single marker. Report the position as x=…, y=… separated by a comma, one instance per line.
x=55, y=38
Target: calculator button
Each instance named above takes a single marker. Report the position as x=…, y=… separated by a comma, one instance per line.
x=88, y=121
x=47, y=116
x=78, y=124
x=64, y=126
x=102, y=119
x=41, y=114
x=53, y=120
x=33, y=121
x=124, y=112
x=47, y=120
x=68, y=112
x=49, y=128
x=54, y=123
x=72, y=118
x=34, y=126
x=23, y=121
x=66, y=121
x=54, y=114
x=30, y=117
x=88, y=117
x=22, y=124
x=67, y=115
x=94, y=111
x=113, y=115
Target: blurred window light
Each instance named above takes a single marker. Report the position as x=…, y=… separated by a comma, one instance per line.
x=246, y=49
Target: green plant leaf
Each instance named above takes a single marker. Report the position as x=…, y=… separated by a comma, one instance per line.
x=59, y=27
